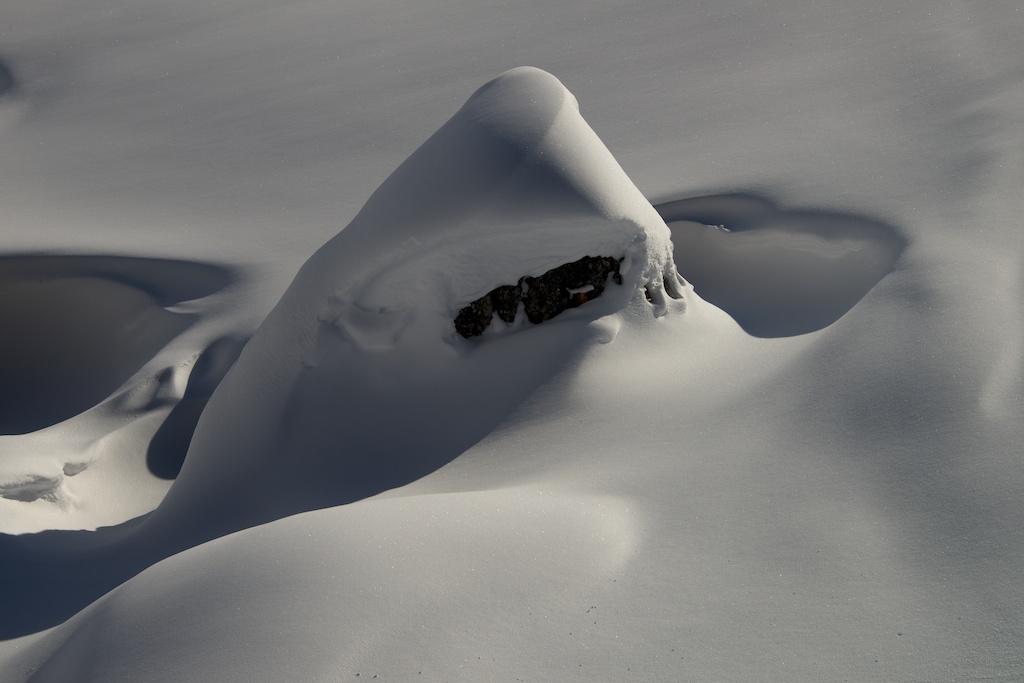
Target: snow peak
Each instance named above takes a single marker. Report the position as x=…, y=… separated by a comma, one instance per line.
x=543, y=297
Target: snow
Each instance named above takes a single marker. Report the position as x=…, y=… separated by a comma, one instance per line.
x=805, y=468
x=366, y=331
x=758, y=264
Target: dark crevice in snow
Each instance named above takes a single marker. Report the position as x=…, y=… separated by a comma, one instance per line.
x=169, y=445
x=543, y=297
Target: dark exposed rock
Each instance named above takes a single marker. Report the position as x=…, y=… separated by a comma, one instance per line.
x=567, y=286
x=474, y=318
x=506, y=301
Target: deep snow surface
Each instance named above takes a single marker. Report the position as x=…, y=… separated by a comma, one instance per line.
x=816, y=476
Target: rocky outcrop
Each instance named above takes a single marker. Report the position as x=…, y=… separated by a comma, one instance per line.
x=543, y=297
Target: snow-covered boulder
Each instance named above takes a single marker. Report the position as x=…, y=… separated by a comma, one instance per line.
x=358, y=380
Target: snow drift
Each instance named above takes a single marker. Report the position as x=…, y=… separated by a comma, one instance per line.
x=358, y=382
x=688, y=502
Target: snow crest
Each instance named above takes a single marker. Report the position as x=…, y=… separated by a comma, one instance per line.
x=515, y=184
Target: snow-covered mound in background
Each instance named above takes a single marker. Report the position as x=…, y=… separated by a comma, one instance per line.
x=357, y=381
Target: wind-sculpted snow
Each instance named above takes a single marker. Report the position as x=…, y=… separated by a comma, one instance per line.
x=778, y=273
x=358, y=382
x=76, y=327
x=344, y=566
x=818, y=481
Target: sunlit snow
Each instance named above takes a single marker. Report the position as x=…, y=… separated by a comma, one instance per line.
x=241, y=437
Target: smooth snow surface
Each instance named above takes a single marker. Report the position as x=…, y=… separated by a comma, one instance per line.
x=807, y=467
x=77, y=327
x=778, y=273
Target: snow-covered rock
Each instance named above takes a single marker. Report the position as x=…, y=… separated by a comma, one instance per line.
x=357, y=381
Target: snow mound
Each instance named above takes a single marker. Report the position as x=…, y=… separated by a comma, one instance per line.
x=343, y=567
x=357, y=381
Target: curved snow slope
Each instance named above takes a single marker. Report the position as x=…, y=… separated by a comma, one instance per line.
x=76, y=327
x=357, y=382
x=778, y=273
x=365, y=569
x=93, y=360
